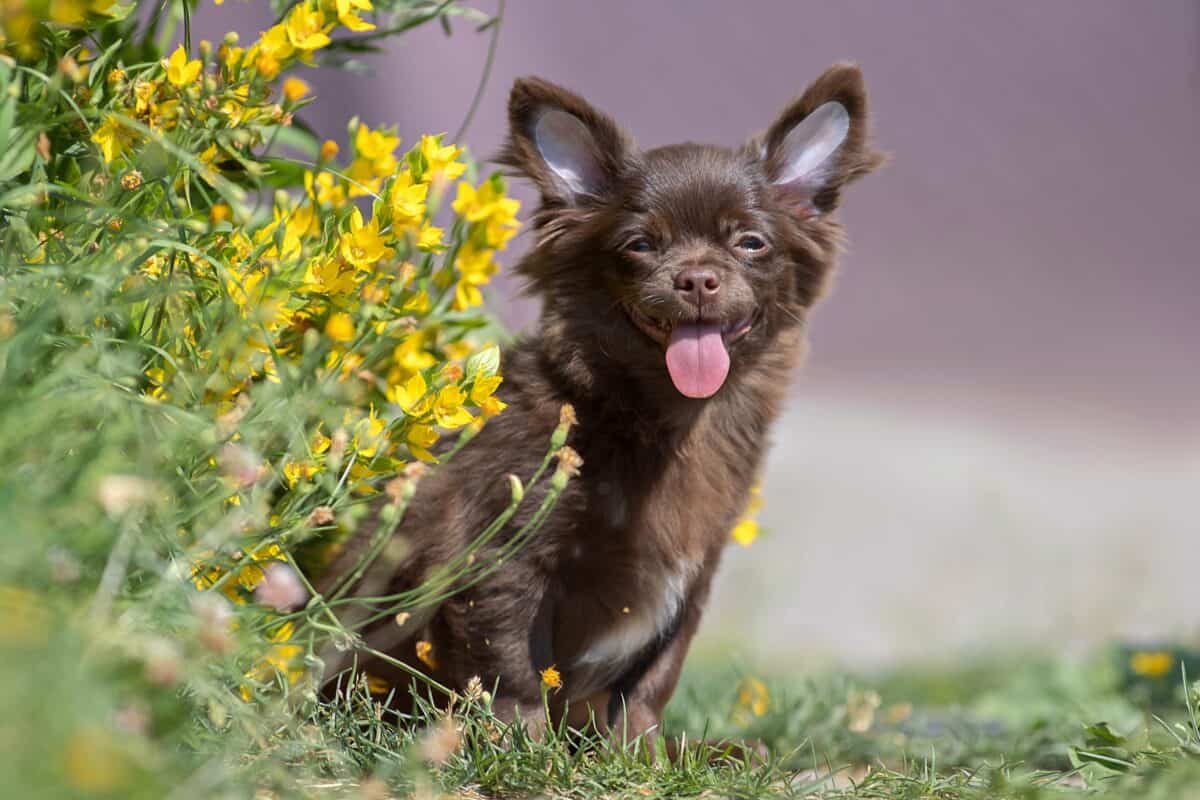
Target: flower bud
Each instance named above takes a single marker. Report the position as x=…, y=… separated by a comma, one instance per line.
x=566, y=418
x=569, y=463
x=320, y=517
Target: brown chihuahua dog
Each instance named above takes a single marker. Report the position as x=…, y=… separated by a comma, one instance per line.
x=675, y=285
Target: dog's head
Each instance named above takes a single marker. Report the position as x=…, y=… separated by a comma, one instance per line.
x=684, y=262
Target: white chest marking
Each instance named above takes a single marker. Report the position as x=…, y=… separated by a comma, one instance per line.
x=633, y=631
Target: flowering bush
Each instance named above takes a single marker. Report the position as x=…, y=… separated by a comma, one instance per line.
x=221, y=342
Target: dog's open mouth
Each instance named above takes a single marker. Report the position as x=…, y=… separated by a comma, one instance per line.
x=697, y=353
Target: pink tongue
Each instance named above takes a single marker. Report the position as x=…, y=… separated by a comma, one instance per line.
x=697, y=360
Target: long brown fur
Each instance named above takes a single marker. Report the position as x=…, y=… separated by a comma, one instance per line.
x=664, y=477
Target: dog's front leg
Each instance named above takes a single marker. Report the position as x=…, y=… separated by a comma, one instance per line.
x=508, y=627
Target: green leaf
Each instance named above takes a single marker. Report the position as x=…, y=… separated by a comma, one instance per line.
x=294, y=138
x=98, y=67
x=1101, y=734
x=486, y=361
x=1117, y=759
x=283, y=173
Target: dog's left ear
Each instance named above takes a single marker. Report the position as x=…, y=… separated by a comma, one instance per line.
x=819, y=143
x=570, y=150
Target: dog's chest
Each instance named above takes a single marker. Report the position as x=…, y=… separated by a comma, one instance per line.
x=648, y=613
x=607, y=621
x=627, y=579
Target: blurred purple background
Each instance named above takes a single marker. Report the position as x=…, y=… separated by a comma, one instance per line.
x=997, y=432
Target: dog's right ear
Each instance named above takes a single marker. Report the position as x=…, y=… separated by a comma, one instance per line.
x=571, y=151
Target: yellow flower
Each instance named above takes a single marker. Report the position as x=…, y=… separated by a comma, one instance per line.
x=364, y=178
x=279, y=659
x=746, y=530
x=362, y=245
x=411, y=396
x=474, y=204
x=475, y=268
x=551, y=679
x=325, y=188
x=180, y=71
x=1151, y=664
x=752, y=700
x=418, y=303
x=296, y=471
x=242, y=288
x=503, y=225
x=230, y=57
x=424, y=651
x=347, y=363
x=306, y=28
x=143, y=97
x=448, y=408
x=410, y=355
x=374, y=160
x=375, y=145
x=442, y=159
x=347, y=16
x=251, y=574
x=483, y=395
x=158, y=382
x=245, y=576
x=295, y=89
x=429, y=239
x=329, y=151
x=369, y=434
x=456, y=351
x=361, y=473
x=269, y=53
x=489, y=207
x=220, y=212
x=114, y=139
x=68, y=12
x=407, y=201
x=340, y=327
x=329, y=276
x=420, y=438
x=377, y=685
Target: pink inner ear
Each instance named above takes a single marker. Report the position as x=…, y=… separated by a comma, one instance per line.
x=569, y=150
x=808, y=156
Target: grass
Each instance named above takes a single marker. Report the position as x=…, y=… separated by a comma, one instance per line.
x=995, y=728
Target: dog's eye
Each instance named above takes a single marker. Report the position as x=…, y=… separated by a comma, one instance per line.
x=751, y=242
x=640, y=245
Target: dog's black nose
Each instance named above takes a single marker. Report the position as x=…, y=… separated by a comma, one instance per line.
x=698, y=285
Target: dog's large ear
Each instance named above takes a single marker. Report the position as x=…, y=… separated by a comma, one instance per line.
x=819, y=143
x=571, y=151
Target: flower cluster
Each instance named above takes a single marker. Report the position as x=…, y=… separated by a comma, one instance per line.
x=310, y=325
